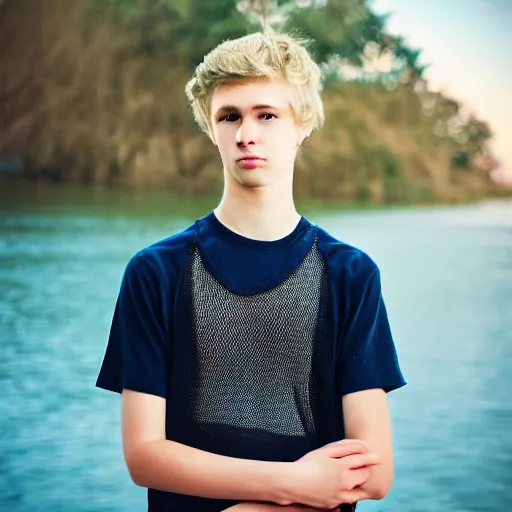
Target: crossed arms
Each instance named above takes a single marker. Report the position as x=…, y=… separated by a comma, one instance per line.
x=347, y=471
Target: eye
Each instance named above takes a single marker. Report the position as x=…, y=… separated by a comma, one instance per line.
x=230, y=118
x=267, y=116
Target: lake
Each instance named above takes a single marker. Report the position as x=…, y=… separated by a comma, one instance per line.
x=447, y=282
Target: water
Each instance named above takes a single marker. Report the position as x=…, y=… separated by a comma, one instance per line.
x=447, y=280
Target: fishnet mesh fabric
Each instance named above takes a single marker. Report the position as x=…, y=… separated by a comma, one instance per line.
x=254, y=352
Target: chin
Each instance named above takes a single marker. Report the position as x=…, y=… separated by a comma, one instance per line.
x=253, y=181
x=252, y=178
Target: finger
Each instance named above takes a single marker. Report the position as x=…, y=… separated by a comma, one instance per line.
x=349, y=441
x=346, y=447
x=354, y=496
x=357, y=477
x=360, y=460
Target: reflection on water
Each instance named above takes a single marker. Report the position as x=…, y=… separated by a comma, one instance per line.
x=447, y=278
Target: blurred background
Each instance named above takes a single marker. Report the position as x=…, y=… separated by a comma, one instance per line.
x=99, y=156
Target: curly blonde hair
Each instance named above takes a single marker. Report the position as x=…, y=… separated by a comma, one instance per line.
x=259, y=55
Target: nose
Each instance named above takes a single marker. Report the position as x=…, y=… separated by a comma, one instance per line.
x=247, y=133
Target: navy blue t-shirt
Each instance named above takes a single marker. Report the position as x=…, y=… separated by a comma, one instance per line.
x=251, y=343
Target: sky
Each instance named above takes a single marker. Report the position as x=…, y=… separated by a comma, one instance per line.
x=468, y=46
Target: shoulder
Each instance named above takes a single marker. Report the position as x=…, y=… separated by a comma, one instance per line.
x=164, y=258
x=344, y=259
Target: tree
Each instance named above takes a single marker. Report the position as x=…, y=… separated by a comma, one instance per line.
x=181, y=29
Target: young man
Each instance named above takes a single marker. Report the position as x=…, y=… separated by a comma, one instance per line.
x=253, y=350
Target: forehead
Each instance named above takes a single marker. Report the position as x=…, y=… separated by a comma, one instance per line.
x=246, y=95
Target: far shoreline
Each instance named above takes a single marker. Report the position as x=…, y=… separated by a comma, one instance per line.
x=46, y=197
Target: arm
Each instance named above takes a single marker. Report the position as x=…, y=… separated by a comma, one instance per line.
x=319, y=479
x=155, y=462
x=367, y=418
x=370, y=369
x=135, y=364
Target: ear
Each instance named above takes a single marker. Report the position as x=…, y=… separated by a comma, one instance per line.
x=305, y=132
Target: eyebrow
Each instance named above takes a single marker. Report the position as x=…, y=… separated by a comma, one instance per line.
x=232, y=108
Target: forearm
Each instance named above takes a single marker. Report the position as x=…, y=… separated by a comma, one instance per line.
x=366, y=416
x=174, y=467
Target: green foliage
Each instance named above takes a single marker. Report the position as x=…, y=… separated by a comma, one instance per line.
x=181, y=28
x=340, y=27
x=461, y=160
x=389, y=163
x=408, y=56
x=336, y=27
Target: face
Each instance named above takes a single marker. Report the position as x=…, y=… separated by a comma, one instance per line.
x=256, y=133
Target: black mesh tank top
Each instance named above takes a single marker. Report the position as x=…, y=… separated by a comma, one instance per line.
x=253, y=354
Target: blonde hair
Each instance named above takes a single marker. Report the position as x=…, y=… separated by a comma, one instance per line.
x=259, y=55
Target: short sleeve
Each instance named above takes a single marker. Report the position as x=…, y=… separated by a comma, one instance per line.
x=368, y=357
x=136, y=353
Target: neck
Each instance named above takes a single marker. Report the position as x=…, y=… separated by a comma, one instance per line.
x=260, y=213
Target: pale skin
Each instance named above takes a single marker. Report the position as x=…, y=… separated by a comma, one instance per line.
x=256, y=119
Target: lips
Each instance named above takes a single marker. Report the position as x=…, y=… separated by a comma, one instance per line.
x=250, y=162
x=249, y=158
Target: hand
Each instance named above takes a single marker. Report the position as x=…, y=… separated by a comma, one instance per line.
x=333, y=474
